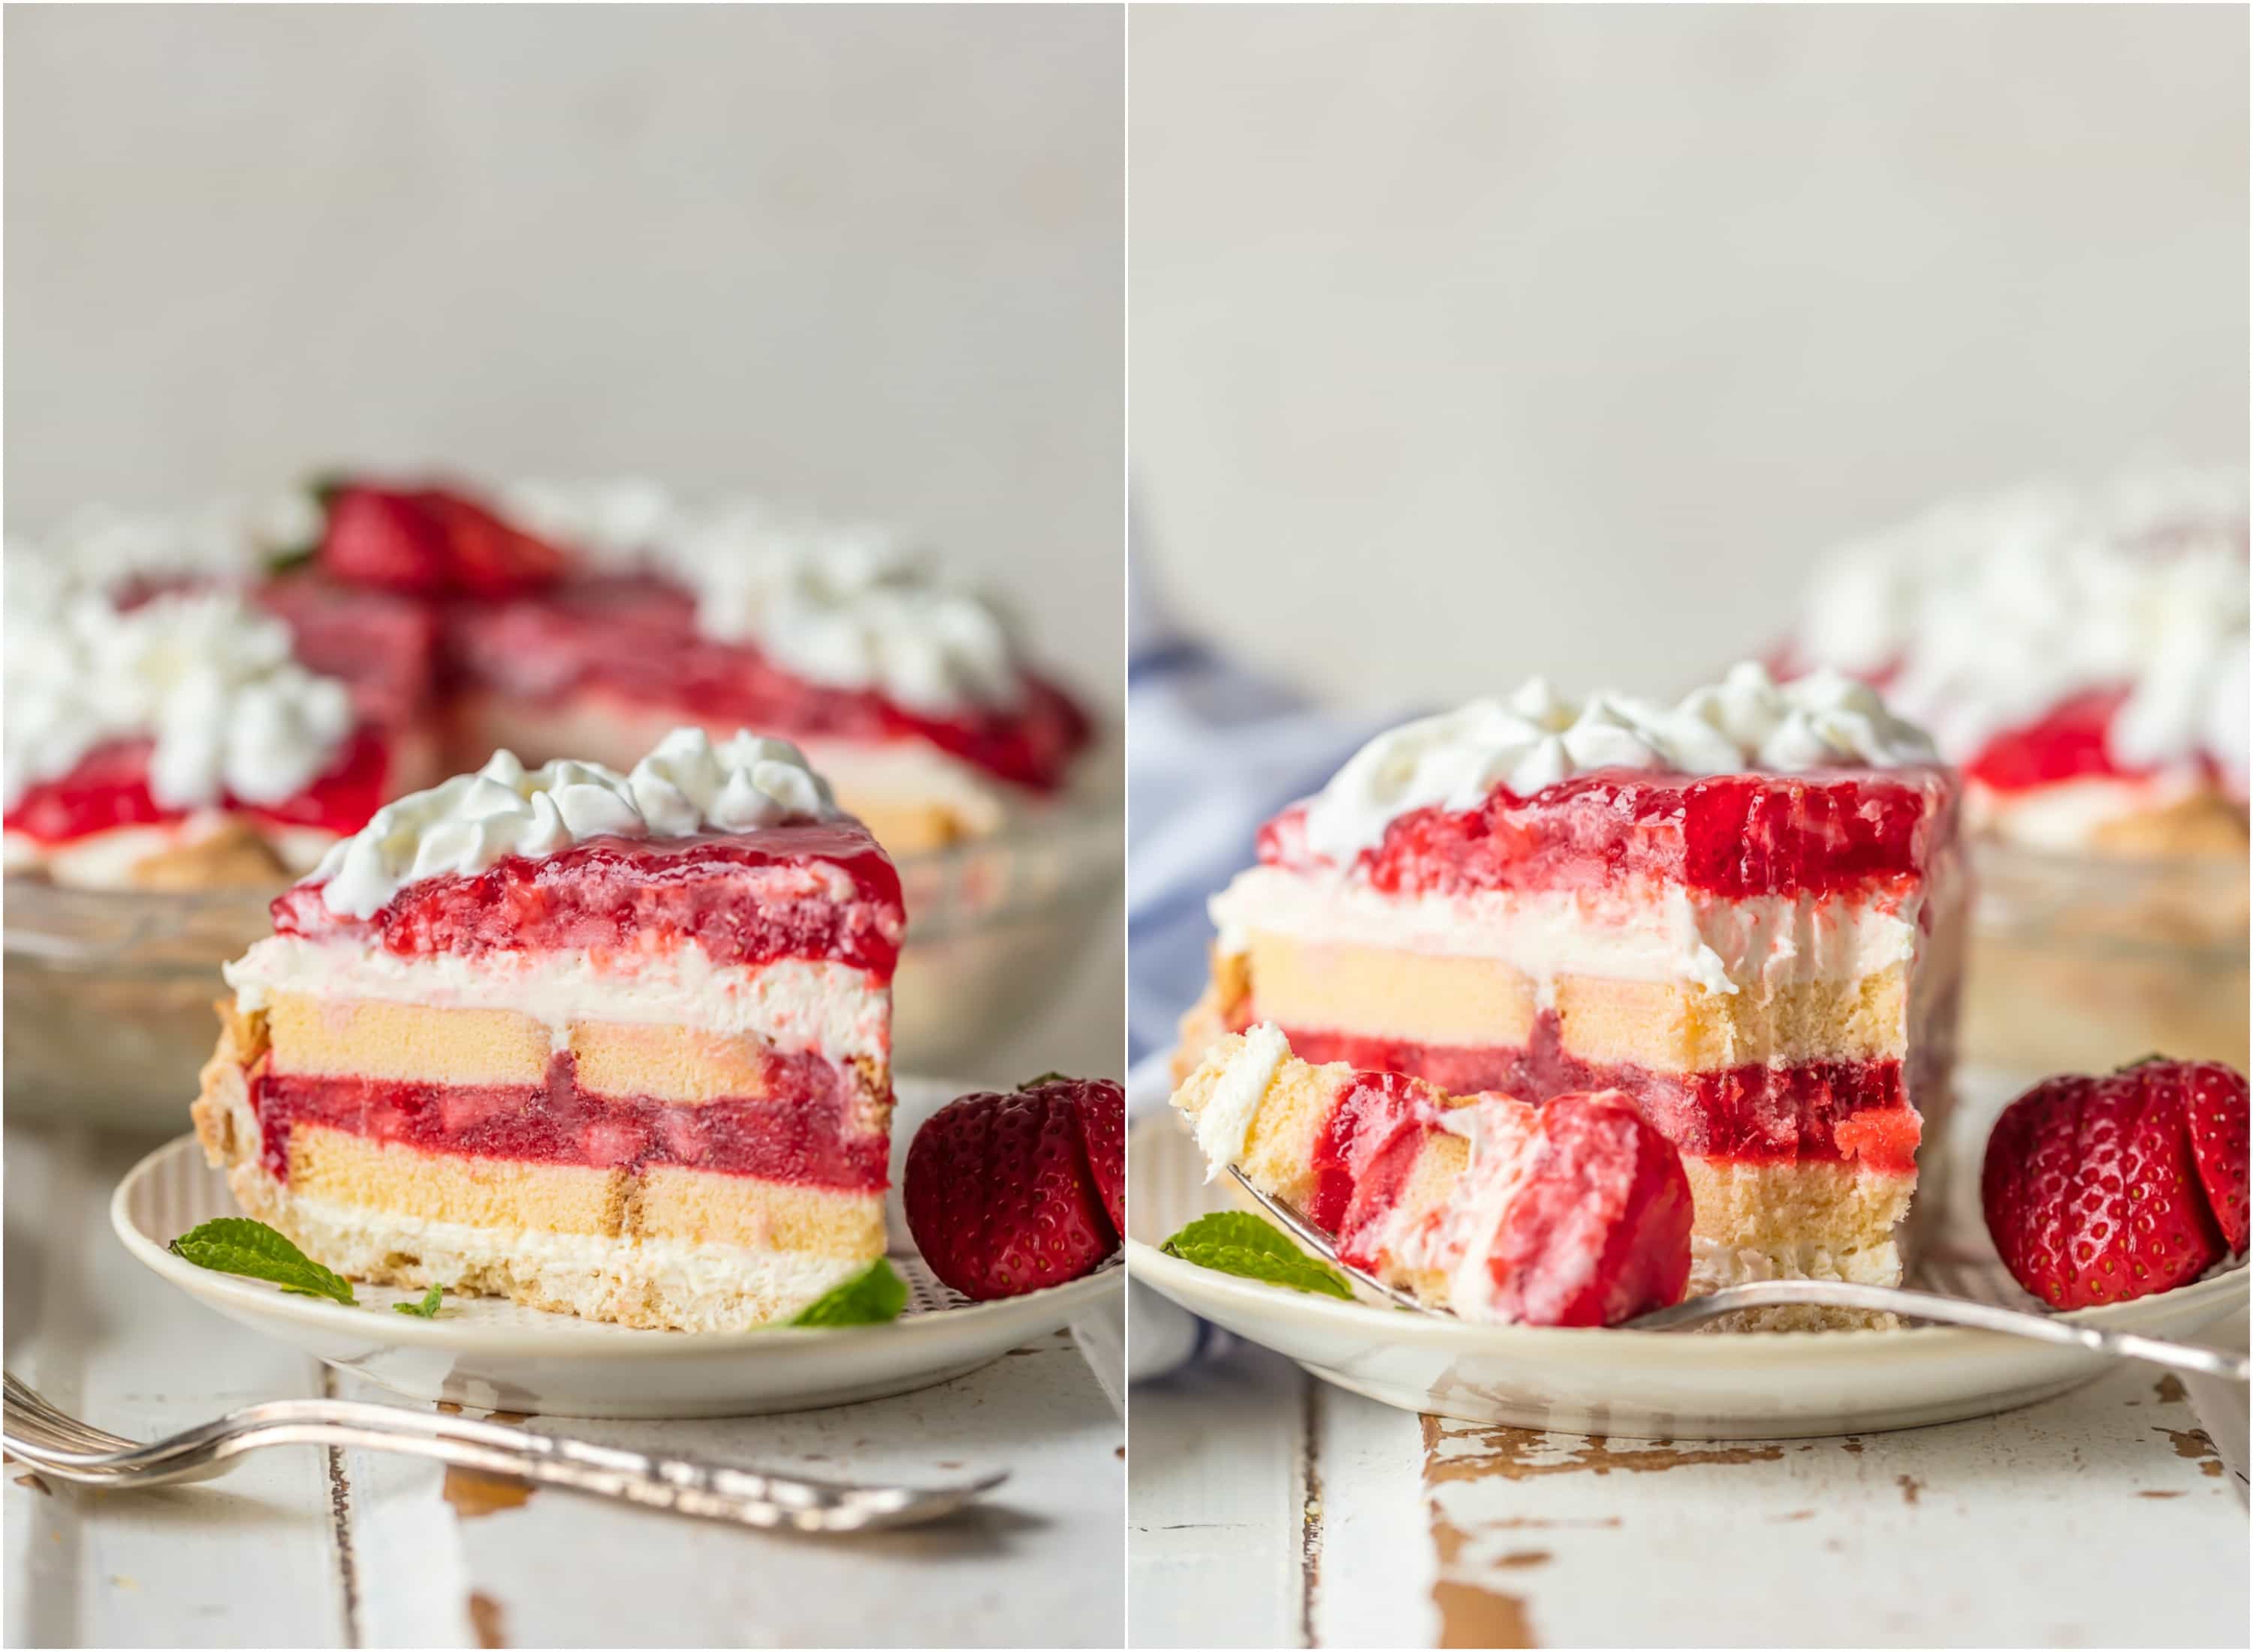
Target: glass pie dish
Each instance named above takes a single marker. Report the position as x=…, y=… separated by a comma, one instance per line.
x=2084, y=963
x=110, y=993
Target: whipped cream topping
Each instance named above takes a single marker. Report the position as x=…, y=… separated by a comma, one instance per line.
x=1988, y=613
x=226, y=540
x=1224, y=1125
x=844, y=605
x=1536, y=738
x=204, y=675
x=470, y=822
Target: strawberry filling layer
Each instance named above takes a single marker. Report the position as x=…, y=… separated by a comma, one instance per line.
x=637, y=640
x=1831, y=1110
x=1586, y=1223
x=109, y=789
x=1731, y=835
x=745, y=900
x=799, y=1138
x=1367, y=1145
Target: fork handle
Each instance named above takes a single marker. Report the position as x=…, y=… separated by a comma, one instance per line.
x=681, y=1485
x=678, y=1485
x=1951, y=1310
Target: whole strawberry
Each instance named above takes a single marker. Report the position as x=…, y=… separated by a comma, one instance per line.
x=1000, y=1193
x=2096, y=1189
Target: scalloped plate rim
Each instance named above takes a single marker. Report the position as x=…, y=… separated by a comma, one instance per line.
x=559, y=1335
x=1257, y=1299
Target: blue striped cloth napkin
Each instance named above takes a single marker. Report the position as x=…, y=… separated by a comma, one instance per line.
x=1213, y=751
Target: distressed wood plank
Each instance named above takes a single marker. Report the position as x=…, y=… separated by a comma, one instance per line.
x=1216, y=1511
x=2220, y=1407
x=2104, y=1517
x=249, y=1560
x=1042, y=1564
x=413, y=1582
x=1373, y=1526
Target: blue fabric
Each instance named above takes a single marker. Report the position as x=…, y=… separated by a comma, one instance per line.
x=1214, y=751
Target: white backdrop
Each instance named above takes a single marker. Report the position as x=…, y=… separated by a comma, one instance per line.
x=868, y=259
x=865, y=258
x=1469, y=342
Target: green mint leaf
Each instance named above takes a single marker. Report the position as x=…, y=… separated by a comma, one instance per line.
x=425, y=1309
x=290, y=561
x=236, y=1244
x=1238, y=1242
x=873, y=1296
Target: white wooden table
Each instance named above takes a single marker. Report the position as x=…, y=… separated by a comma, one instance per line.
x=1268, y=1509
x=321, y=1548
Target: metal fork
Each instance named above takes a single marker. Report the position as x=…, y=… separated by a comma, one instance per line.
x=2034, y=1325
x=54, y=1442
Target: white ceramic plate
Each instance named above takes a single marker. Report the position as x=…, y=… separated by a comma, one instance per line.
x=1639, y=1384
x=493, y=1355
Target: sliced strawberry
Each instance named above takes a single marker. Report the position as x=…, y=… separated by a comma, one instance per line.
x=486, y=556
x=1598, y=1229
x=380, y=537
x=2217, y=1100
x=2091, y=1190
x=999, y=1193
x=429, y=542
x=1100, y=1105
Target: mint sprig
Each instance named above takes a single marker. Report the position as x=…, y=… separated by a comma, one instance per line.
x=1238, y=1242
x=873, y=1296
x=237, y=1245
x=425, y=1309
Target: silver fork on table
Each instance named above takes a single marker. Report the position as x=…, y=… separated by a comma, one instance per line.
x=2035, y=1326
x=45, y=1438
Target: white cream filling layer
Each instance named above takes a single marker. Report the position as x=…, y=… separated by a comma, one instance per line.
x=1459, y=1237
x=795, y=1004
x=107, y=860
x=907, y=772
x=577, y=1270
x=1756, y=944
x=2065, y=817
x=1714, y=1266
x=1224, y=1125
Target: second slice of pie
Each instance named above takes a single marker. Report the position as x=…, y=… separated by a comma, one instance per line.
x=1743, y=910
x=612, y=1044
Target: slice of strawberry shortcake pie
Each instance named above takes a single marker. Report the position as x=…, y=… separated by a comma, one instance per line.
x=1572, y=1213
x=610, y=1044
x=1743, y=910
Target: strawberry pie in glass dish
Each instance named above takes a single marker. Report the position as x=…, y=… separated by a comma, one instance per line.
x=2080, y=658
x=1741, y=912
x=197, y=707
x=616, y=1045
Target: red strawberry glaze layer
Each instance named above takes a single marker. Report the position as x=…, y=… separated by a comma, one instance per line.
x=1814, y=1111
x=1732, y=835
x=383, y=647
x=109, y=789
x=1367, y=1145
x=798, y=1138
x=1597, y=1228
x=637, y=638
x=619, y=894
